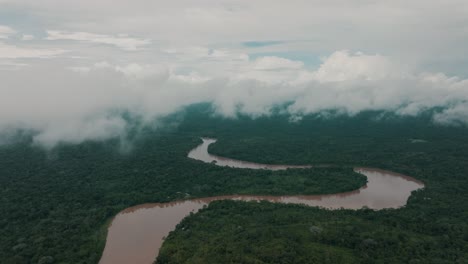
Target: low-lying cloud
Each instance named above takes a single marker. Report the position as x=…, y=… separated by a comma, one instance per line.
x=121, y=41
x=73, y=104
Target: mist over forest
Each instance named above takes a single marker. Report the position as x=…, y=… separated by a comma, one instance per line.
x=76, y=105
x=69, y=77
x=179, y=131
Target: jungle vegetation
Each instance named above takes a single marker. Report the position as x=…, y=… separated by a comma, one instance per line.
x=56, y=203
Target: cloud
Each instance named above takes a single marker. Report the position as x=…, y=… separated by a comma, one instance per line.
x=78, y=130
x=6, y=31
x=241, y=55
x=343, y=66
x=8, y=65
x=391, y=27
x=121, y=41
x=86, y=102
x=276, y=63
x=15, y=52
x=455, y=115
x=27, y=37
x=133, y=71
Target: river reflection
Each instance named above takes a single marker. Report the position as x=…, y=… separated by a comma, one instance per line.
x=136, y=234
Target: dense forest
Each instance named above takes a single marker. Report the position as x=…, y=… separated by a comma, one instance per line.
x=432, y=228
x=56, y=204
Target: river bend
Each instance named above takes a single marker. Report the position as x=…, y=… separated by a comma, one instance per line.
x=136, y=233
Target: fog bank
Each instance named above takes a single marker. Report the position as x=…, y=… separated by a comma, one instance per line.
x=66, y=104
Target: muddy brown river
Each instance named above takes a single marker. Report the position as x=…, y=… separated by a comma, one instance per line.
x=136, y=234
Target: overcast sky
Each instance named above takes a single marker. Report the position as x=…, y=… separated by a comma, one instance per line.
x=67, y=67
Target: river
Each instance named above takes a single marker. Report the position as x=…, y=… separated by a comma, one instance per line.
x=136, y=234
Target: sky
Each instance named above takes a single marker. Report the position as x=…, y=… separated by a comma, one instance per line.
x=69, y=68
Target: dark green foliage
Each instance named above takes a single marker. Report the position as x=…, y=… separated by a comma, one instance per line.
x=55, y=205
x=432, y=228
x=240, y=232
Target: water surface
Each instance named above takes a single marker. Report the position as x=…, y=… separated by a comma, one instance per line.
x=201, y=153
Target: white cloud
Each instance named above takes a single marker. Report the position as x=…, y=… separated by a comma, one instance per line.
x=90, y=97
x=27, y=37
x=276, y=63
x=137, y=71
x=131, y=71
x=6, y=31
x=455, y=115
x=388, y=27
x=77, y=130
x=10, y=65
x=80, y=69
x=121, y=41
x=343, y=66
x=188, y=53
x=16, y=52
x=194, y=51
x=192, y=77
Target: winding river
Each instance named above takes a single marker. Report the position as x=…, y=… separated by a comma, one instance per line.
x=136, y=234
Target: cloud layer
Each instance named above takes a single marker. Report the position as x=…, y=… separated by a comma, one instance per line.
x=76, y=104
x=68, y=70
x=121, y=41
